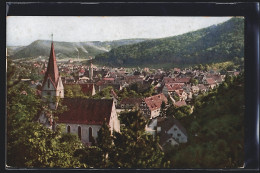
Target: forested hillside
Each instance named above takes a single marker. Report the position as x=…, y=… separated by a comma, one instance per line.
x=218, y=43
x=68, y=49
x=215, y=129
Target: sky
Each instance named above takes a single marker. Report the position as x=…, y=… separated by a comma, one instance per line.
x=23, y=30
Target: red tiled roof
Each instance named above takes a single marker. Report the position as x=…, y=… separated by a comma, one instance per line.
x=236, y=73
x=179, y=92
x=113, y=93
x=215, y=77
x=183, y=80
x=173, y=86
x=87, y=88
x=82, y=71
x=108, y=79
x=180, y=103
x=176, y=80
x=100, y=83
x=210, y=81
x=154, y=102
x=86, y=111
x=201, y=86
x=177, y=69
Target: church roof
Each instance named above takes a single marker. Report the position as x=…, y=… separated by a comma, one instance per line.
x=52, y=70
x=86, y=111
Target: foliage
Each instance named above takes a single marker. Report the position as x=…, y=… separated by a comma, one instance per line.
x=178, y=112
x=223, y=42
x=137, y=90
x=104, y=142
x=216, y=129
x=73, y=91
x=30, y=144
x=176, y=97
x=163, y=109
x=134, y=148
x=194, y=81
x=105, y=93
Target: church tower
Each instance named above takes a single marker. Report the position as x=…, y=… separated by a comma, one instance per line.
x=91, y=71
x=52, y=87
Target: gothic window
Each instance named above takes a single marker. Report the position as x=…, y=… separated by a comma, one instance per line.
x=79, y=132
x=68, y=129
x=90, y=133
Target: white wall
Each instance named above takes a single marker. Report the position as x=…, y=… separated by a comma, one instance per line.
x=114, y=122
x=182, y=138
x=172, y=142
x=84, y=131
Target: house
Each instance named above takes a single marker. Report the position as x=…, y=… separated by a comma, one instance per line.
x=209, y=82
x=81, y=72
x=151, y=106
x=181, y=94
x=84, y=117
x=202, y=88
x=100, y=85
x=176, y=70
x=184, y=80
x=130, y=103
x=134, y=79
x=195, y=89
x=171, y=87
x=180, y=103
x=88, y=89
x=171, y=131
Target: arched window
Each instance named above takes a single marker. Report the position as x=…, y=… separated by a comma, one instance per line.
x=90, y=134
x=68, y=129
x=79, y=132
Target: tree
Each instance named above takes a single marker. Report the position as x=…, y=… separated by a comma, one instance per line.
x=216, y=130
x=194, y=81
x=163, y=109
x=134, y=148
x=104, y=142
x=30, y=144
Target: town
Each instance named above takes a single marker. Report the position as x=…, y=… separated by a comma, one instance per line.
x=109, y=93
x=151, y=91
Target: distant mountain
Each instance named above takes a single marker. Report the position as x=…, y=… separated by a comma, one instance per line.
x=13, y=49
x=217, y=43
x=68, y=49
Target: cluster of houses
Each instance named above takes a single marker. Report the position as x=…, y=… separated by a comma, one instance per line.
x=84, y=116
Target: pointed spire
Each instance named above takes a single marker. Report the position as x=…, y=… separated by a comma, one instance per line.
x=52, y=69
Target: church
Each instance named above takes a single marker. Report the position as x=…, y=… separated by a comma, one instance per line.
x=82, y=117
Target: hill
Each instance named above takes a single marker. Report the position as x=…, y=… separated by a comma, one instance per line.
x=217, y=43
x=215, y=129
x=68, y=49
